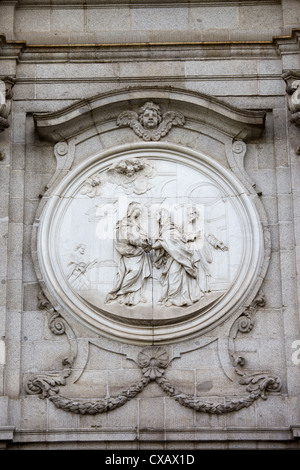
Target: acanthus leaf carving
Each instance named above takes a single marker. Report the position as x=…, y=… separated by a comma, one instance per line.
x=261, y=383
x=47, y=384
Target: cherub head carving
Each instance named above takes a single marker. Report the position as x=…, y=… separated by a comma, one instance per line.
x=150, y=115
x=150, y=123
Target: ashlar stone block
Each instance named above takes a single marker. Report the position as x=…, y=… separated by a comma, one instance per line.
x=106, y=19
x=36, y=20
x=59, y=23
x=159, y=19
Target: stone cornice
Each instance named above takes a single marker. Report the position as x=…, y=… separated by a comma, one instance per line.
x=10, y=49
x=293, y=38
x=22, y=50
x=145, y=3
x=203, y=108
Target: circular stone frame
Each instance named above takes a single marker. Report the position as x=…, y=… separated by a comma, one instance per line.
x=70, y=305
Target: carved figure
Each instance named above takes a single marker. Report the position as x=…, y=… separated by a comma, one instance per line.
x=132, y=173
x=77, y=268
x=294, y=99
x=6, y=84
x=179, y=274
x=200, y=243
x=134, y=267
x=150, y=124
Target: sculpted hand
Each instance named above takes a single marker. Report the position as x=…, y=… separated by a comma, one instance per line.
x=156, y=245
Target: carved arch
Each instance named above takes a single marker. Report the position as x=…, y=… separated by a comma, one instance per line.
x=237, y=123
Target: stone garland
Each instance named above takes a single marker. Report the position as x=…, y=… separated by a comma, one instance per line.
x=261, y=385
x=46, y=386
x=153, y=361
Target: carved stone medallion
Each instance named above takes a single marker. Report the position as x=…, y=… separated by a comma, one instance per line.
x=149, y=243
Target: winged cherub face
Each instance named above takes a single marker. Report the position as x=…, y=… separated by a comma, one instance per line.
x=150, y=119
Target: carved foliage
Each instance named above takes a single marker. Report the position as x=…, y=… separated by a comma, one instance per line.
x=153, y=361
x=46, y=384
x=99, y=405
x=260, y=386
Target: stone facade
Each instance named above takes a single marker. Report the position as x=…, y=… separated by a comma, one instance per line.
x=123, y=323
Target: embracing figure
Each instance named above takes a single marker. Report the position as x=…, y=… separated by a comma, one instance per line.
x=134, y=267
x=201, y=242
x=179, y=272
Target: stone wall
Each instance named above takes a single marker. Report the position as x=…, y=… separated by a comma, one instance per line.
x=72, y=376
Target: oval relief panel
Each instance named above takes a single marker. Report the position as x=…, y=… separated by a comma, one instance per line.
x=149, y=243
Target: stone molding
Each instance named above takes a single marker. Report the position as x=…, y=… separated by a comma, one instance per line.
x=6, y=435
x=204, y=109
x=155, y=3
